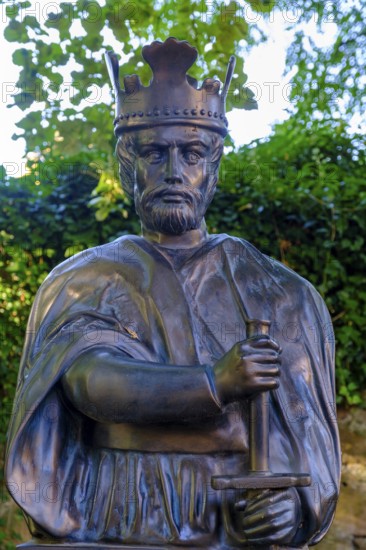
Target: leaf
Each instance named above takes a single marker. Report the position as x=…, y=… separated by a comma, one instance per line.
x=24, y=100
x=16, y=32
x=22, y=56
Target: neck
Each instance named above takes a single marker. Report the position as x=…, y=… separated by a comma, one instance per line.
x=189, y=239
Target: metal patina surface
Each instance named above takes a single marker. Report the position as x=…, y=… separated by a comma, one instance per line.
x=176, y=388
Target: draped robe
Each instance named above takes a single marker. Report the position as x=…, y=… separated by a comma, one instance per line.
x=182, y=307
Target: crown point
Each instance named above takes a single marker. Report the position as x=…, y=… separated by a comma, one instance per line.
x=169, y=60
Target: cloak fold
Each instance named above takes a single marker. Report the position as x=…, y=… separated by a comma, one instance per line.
x=127, y=297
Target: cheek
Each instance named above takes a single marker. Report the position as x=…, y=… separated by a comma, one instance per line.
x=147, y=175
x=195, y=175
x=200, y=178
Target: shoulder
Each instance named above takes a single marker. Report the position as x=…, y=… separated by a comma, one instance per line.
x=98, y=259
x=85, y=284
x=266, y=270
x=89, y=274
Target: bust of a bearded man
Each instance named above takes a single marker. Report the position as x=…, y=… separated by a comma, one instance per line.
x=138, y=369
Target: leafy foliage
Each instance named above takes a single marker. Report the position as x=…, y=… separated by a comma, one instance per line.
x=329, y=84
x=81, y=30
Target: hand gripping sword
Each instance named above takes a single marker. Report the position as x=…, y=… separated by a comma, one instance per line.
x=260, y=475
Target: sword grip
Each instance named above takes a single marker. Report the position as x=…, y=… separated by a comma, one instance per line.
x=258, y=413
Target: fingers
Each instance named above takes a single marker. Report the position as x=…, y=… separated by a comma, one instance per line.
x=267, y=498
x=261, y=525
x=270, y=534
x=276, y=529
x=266, y=384
x=269, y=517
x=263, y=341
x=262, y=500
x=259, y=344
x=261, y=370
x=249, y=367
x=264, y=358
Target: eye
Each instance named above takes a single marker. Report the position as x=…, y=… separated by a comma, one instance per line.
x=153, y=157
x=192, y=157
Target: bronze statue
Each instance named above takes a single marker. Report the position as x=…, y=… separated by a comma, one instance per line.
x=143, y=382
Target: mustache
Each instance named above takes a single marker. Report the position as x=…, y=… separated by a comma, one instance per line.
x=188, y=193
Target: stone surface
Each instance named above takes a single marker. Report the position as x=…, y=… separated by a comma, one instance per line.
x=348, y=531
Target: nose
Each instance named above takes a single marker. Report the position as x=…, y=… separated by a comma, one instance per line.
x=173, y=169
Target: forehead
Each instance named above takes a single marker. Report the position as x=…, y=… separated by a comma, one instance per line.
x=174, y=134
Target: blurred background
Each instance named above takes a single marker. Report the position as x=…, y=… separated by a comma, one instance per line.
x=292, y=181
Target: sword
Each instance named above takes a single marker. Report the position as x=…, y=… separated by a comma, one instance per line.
x=260, y=475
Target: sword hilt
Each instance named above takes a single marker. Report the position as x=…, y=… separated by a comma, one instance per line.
x=258, y=412
x=259, y=476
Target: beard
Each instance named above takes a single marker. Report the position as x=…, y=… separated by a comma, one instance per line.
x=172, y=218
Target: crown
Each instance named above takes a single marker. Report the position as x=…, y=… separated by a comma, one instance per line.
x=172, y=97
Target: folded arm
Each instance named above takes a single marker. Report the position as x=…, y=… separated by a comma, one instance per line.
x=109, y=386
